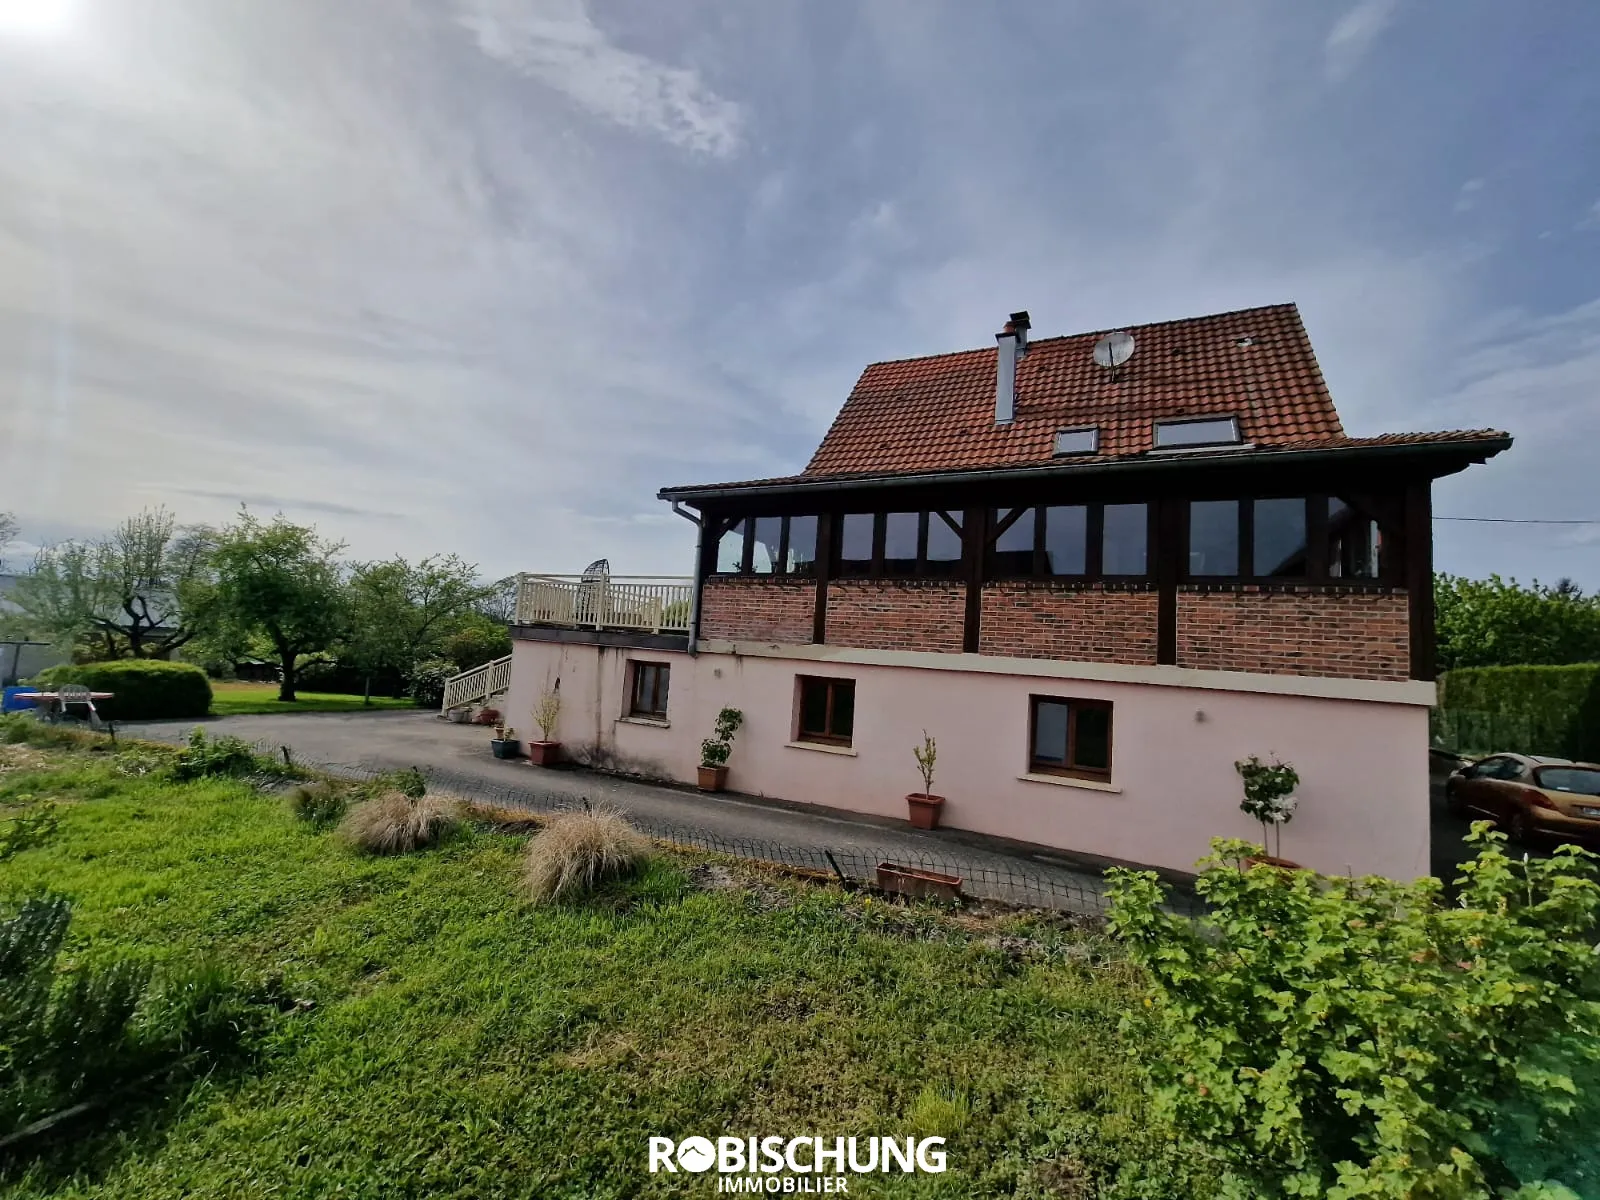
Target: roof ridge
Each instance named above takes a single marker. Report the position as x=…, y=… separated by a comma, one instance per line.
x=1066, y=337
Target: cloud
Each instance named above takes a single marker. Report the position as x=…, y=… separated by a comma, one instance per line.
x=1467, y=195
x=558, y=43
x=1354, y=34
x=1591, y=219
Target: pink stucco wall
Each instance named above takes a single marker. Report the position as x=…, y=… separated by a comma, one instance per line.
x=1363, y=765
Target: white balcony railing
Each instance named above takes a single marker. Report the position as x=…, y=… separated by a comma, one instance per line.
x=657, y=603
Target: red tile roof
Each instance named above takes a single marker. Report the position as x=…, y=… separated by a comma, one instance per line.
x=937, y=413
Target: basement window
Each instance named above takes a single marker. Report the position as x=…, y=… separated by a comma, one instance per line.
x=1077, y=441
x=1206, y=431
x=827, y=710
x=649, y=693
x=1069, y=737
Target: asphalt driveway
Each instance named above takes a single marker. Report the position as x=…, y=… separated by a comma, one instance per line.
x=459, y=756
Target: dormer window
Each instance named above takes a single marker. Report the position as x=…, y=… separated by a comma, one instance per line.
x=1204, y=431
x=1077, y=441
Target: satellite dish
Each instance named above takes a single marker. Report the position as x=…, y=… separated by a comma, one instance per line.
x=1114, y=349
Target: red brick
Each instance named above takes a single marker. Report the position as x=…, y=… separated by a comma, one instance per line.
x=746, y=608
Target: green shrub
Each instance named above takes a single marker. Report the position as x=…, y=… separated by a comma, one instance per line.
x=77, y=1034
x=428, y=679
x=143, y=689
x=225, y=755
x=1360, y=1038
x=1538, y=710
x=319, y=803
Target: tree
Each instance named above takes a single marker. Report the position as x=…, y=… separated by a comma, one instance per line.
x=500, y=600
x=402, y=613
x=282, y=582
x=8, y=531
x=140, y=592
x=1494, y=623
x=477, y=639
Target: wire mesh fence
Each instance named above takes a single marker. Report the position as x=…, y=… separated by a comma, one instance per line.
x=983, y=875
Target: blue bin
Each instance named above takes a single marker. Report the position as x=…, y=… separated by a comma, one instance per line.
x=18, y=699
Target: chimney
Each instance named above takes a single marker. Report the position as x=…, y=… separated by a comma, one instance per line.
x=1012, y=343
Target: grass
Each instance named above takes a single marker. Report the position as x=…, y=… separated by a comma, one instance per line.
x=455, y=1041
x=238, y=699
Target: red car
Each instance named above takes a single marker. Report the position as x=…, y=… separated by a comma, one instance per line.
x=1529, y=795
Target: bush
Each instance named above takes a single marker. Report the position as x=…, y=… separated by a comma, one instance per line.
x=143, y=689
x=428, y=680
x=395, y=823
x=1548, y=710
x=1360, y=1038
x=578, y=850
x=229, y=756
x=479, y=640
x=75, y=1035
x=319, y=803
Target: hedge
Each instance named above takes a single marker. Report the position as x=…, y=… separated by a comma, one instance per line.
x=1545, y=710
x=144, y=689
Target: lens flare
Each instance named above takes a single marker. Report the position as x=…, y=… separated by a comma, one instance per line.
x=36, y=18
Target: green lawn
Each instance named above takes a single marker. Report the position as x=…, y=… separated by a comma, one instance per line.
x=236, y=699
x=463, y=1044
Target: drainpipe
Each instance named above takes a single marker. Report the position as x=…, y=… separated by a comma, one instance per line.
x=694, y=594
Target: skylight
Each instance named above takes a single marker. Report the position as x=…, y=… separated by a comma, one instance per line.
x=1078, y=441
x=1206, y=431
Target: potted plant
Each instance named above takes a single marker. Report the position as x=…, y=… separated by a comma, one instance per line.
x=715, y=749
x=546, y=715
x=460, y=715
x=1269, y=798
x=924, y=805
x=504, y=743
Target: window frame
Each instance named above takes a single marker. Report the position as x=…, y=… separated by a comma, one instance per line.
x=1094, y=441
x=951, y=568
x=637, y=670
x=1316, y=556
x=1074, y=704
x=1232, y=420
x=825, y=737
x=747, y=549
x=1094, y=538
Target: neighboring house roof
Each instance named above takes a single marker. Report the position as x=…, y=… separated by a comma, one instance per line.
x=937, y=414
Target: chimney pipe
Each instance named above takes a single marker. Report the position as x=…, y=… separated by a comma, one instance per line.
x=1011, y=344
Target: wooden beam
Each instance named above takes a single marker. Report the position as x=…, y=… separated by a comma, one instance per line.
x=974, y=544
x=826, y=524
x=1419, y=576
x=1166, y=548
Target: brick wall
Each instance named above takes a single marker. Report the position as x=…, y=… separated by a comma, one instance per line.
x=1036, y=619
x=897, y=614
x=1362, y=635
x=755, y=609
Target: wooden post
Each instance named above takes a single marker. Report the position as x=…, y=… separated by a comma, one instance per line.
x=1419, y=576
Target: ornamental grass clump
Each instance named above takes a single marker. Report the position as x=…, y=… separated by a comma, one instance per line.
x=395, y=823
x=1347, y=1038
x=578, y=851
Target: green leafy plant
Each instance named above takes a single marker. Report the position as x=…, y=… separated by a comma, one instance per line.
x=1268, y=795
x=547, y=714
x=320, y=802
x=76, y=1033
x=428, y=679
x=714, y=751
x=926, y=755
x=35, y=825
x=1360, y=1038
x=225, y=755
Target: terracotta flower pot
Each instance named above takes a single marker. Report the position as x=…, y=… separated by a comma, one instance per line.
x=918, y=884
x=924, y=809
x=712, y=779
x=544, y=754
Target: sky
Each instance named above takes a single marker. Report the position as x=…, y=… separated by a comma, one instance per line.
x=482, y=275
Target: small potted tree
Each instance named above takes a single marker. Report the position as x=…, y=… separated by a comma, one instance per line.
x=714, y=751
x=924, y=805
x=547, y=716
x=504, y=743
x=1269, y=798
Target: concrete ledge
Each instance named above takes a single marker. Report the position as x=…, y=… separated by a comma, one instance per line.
x=619, y=638
x=1413, y=692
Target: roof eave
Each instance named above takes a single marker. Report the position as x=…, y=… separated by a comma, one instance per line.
x=1465, y=453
